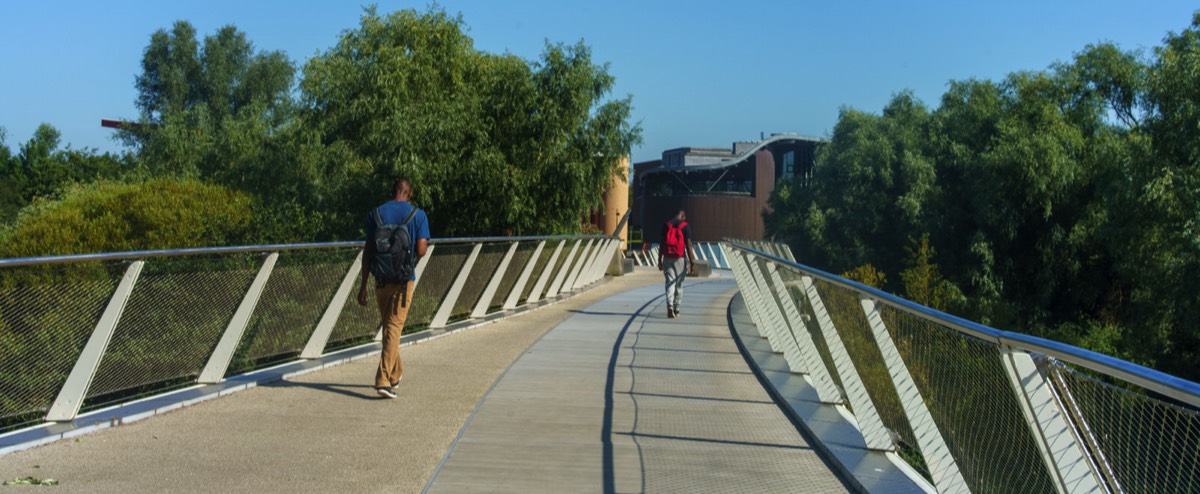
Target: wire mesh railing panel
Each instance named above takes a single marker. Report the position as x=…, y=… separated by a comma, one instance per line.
x=291, y=304
x=485, y=266
x=968, y=393
x=543, y=260
x=1146, y=444
x=444, y=264
x=791, y=279
x=515, y=267
x=846, y=312
x=174, y=317
x=46, y=317
x=357, y=323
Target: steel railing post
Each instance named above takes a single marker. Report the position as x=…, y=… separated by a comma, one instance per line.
x=74, y=390
x=518, y=288
x=787, y=251
x=222, y=355
x=942, y=466
x=577, y=270
x=442, y=316
x=544, y=277
x=745, y=285
x=606, y=260
x=562, y=272
x=779, y=329
x=826, y=391
x=875, y=434
x=485, y=299
x=320, y=336
x=589, y=265
x=599, y=264
x=1065, y=458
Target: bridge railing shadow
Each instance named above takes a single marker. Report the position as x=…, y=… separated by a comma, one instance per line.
x=972, y=408
x=83, y=332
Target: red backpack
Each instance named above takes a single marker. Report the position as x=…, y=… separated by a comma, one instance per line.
x=673, y=245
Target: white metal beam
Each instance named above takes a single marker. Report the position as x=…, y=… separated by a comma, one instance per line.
x=780, y=332
x=485, y=299
x=584, y=257
x=218, y=362
x=562, y=272
x=941, y=463
x=442, y=316
x=74, y=390
x=320, y=336
x=817, y=372
x=870, y=425
x=518, y=288
x=538, y=292
x=1063, y=456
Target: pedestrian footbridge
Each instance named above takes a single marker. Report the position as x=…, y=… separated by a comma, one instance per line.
x=529, y=369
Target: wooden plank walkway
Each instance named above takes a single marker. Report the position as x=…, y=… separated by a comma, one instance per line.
x=619, y=398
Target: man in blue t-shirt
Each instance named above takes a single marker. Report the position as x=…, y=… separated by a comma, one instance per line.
x=393, y=305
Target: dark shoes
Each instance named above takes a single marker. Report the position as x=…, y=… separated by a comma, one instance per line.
x=386, y=393
x=671, y=313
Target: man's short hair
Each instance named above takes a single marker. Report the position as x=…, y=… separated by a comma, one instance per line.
x=402, y=185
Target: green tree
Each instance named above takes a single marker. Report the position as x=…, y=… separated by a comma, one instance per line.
x=210, y=110
x=10, y=182
x=1063, y=202
x=872, y=186
x=492, y=142
x=924, y=284
x=40, y=168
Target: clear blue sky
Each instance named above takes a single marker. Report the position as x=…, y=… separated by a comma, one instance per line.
x=702, y=73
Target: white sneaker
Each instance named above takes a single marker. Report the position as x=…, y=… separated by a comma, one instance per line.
x=386, y=393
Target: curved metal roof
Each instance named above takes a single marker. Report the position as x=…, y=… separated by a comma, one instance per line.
x=736, y=159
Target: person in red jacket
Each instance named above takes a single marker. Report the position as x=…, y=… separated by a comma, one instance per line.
x=675, y=259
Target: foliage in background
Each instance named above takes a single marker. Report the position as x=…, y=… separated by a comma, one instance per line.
x=112, y=217
x=41, y=167
x=1063, y=203
x=491, y=142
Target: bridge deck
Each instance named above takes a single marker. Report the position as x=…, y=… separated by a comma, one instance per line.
x=622, y=398
x=614, y=397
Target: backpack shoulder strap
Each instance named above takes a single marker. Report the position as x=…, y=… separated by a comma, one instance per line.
x=378, y=217
x=410, y=216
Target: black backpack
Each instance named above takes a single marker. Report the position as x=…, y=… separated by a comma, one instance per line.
x=393, y=262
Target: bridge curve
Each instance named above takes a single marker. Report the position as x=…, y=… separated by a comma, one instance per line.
x=895, y=396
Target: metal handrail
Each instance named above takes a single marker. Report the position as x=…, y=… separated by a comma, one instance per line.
x=1159, y=382
x=142, y=254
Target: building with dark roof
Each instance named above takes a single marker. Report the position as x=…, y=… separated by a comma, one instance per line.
x=723, y=190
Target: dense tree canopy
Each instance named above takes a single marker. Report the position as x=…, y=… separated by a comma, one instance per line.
x=492, y=142
x=1065, y=203
x=209, y=109
x=114, y=216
